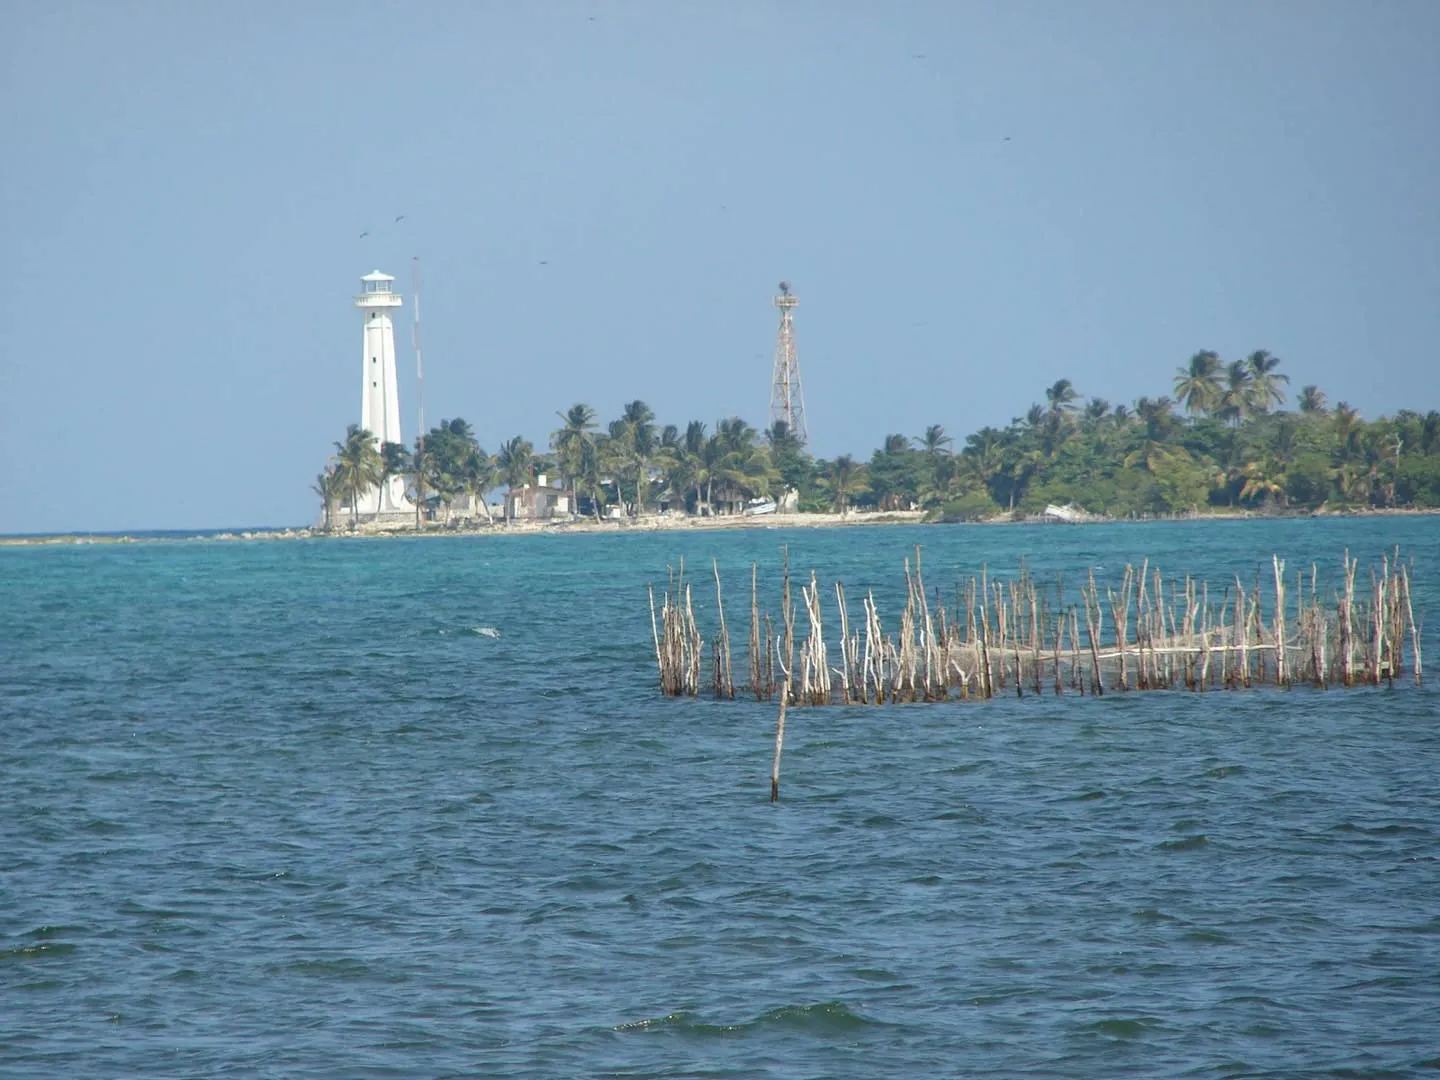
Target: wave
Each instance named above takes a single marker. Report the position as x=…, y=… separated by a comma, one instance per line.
x=825, y=1018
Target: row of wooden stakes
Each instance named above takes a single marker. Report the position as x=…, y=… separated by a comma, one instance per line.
x=1017, y=635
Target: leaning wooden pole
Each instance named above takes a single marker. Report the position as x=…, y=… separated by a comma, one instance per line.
x=1414, y=627
x=655, y=633
x=788, y=613
x=779, y=745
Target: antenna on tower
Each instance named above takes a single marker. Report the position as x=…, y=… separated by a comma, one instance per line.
x=787, y=399
x=419, y=394
x=415, y=344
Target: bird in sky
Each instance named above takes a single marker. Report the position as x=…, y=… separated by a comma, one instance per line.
x=544, y=262
x=363, y=235
x=399, y=218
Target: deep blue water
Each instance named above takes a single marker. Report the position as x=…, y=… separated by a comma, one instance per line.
x=280, y=810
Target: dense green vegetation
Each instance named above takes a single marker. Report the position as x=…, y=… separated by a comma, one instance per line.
x=1223, y=441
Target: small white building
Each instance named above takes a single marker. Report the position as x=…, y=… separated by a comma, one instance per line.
x=539, y=502
x=379, y=393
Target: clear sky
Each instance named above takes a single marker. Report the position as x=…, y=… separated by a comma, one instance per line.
x=971, y=199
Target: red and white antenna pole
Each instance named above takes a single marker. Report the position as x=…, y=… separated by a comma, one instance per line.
x=415, y=343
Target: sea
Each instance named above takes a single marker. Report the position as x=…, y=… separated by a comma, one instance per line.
x=415, y=807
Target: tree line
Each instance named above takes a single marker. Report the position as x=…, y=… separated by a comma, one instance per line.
x=1223, y=440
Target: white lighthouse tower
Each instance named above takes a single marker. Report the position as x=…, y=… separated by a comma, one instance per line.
x=379, y=397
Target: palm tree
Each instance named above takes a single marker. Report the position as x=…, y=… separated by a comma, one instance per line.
x=641, y=419
x=447, y=447
x=895, y=445
x=984, y=449
x=574, y=440
x=394, y=461
x=845, y=479
x=1197, y=384
x=326, y=487
x=750, y=473
x=515, y=461
x=590, y=478
x=694, y=436
x=1265, y=381
x=1311, y=399
x=787, y=454
x=460, y=429
x=1237, y=395
x=690, y=456
x=780, y=438
x=1264, y=479
x=934, y=443
x=934, y=447
x=478, y=474
x=952, y=475
x=421, y=465
x=738, y=462
x=677, y=465
x=1357, y=482
x=1347, y=430
x=1061, y=396
x=1155, y=449
x=639, y=423
x=1095, y=411
x=1156, y=415
x=358, y=467
x=674, y=462
x=709, y=465
x=618, y=459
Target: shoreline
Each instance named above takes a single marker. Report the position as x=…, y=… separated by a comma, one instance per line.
x=657, y=523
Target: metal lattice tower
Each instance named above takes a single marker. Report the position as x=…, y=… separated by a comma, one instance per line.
x=787, y=400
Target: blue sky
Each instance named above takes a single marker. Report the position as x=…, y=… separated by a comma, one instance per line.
x=971, y=199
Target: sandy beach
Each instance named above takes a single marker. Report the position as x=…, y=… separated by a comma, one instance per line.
x=646, y=523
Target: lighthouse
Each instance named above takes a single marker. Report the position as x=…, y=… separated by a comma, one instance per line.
x=379, y=396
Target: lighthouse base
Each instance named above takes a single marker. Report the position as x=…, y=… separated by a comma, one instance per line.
x=385, y=500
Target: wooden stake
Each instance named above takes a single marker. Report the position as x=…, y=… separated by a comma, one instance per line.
x=756, y=683
x=779, y=745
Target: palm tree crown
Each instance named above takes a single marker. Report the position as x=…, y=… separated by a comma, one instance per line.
x=1311, y=399
x=1265, y=381
x=1237, y=394
x=1061, y=396
x=574, y=440
x=934, y=442
x=515, y=461
x=1197, y=384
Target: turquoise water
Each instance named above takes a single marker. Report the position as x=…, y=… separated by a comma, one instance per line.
x=282, y=809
